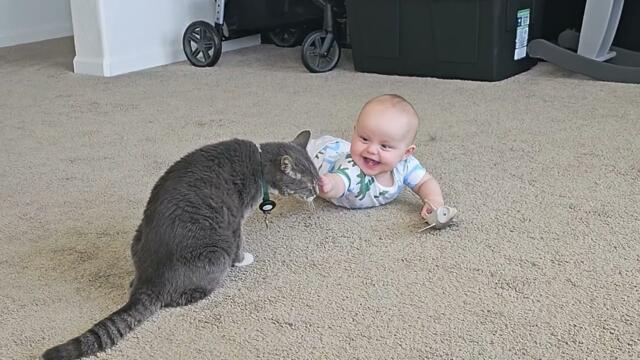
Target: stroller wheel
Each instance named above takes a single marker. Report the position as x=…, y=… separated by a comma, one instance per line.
x=202, y=44
x=287, y=36
x=312, y=56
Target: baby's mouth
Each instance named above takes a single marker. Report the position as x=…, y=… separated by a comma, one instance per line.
x=370, y=162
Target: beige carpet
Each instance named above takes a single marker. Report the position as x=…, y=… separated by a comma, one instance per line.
x=544, y=168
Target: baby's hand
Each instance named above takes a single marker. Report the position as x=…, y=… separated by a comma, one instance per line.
x=324, y=184
x=330, y=186
x=428, y=209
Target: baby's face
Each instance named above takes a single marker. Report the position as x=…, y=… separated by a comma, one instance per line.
x=382, y=138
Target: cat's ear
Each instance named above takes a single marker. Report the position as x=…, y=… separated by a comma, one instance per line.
x=286, y=165
x=302, y=139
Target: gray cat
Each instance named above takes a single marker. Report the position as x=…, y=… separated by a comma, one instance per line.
x=190, y=234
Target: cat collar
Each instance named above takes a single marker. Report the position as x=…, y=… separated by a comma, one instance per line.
x=267, y=204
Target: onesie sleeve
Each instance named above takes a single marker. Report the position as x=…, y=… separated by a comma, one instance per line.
x=348, y=172
x=413, y=172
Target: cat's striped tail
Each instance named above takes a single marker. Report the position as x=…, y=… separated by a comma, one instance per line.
x=108, y=331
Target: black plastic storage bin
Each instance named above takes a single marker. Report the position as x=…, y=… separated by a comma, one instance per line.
x=628, y=32
x=463, y=39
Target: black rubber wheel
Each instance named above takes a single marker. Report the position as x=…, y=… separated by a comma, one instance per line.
x=288, y=36
x=312, y=59
x=202, y=44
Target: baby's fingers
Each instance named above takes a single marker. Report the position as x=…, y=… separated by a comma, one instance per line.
x=324, y=184
x=426, y=210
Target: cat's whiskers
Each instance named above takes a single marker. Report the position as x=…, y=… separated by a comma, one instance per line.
x=310, y=204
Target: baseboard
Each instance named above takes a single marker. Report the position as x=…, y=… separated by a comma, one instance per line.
x=149, y=59
x=23, y=36
x=121, y=65
x=88, y=66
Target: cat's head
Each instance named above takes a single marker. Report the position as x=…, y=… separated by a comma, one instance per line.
x=290, y=170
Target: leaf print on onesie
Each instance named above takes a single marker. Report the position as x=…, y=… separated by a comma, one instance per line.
x=365, y=183
x=381, y=194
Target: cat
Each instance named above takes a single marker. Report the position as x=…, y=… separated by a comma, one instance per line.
x=190, y=233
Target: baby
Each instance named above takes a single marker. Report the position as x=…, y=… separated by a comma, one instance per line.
x=373, y=169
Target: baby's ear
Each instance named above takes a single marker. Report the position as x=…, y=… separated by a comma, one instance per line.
x=410, y=150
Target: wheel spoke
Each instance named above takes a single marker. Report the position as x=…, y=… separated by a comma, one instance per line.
x=192, y=37
x=195, y=53
x=317, y=43
x=206, y=55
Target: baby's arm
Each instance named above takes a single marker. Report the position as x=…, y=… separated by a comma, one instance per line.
x=429, y=191
x=331, y=186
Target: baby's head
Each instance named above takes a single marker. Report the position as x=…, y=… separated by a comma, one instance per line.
x=384, y=134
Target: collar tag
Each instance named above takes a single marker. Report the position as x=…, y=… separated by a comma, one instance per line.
x=267, y=205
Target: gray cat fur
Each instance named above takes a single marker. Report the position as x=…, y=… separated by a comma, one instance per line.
x=190, y=234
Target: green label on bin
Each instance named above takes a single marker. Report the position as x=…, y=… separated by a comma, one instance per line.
x=522, y=33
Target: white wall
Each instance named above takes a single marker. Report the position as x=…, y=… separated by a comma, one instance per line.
x=23, y=21
x=118, y=36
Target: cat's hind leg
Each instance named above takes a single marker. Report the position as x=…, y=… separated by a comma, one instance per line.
x=135, y=248
x=188, y=297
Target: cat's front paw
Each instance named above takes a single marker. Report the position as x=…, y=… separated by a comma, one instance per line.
x=247, y=259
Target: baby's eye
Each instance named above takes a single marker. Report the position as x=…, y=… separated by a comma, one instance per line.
x=364, y=139
x=386, y=147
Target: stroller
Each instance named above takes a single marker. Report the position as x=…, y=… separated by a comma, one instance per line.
x=284, y=22
x=321, y=48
